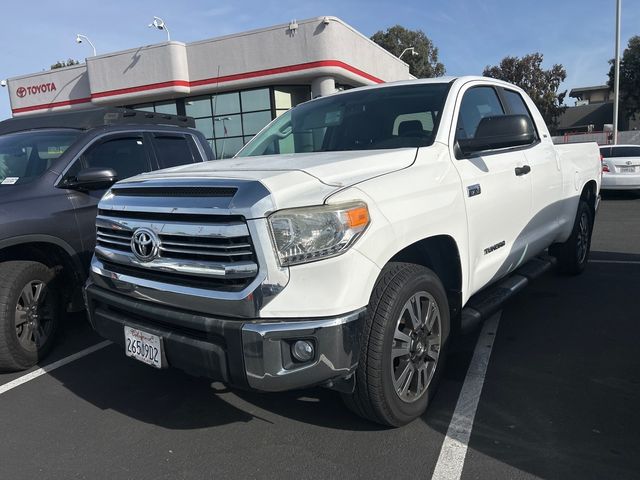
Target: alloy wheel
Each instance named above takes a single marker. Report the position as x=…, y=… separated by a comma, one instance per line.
x=416, y=346
x=34, y=315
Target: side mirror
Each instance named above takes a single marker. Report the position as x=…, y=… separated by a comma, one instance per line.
x=497, y=132
x=98, y=178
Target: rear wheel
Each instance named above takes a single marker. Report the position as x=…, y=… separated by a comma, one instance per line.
x=403, y=346
x=573, y=255
x=29, y=313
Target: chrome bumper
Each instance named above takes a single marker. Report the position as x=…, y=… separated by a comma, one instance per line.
x=270, y=366
x=252, y=354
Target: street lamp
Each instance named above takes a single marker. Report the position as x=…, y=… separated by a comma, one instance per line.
x=616, y=80
x=160, y=25
x=224, y=126
x=409, y=49
x=79, y=39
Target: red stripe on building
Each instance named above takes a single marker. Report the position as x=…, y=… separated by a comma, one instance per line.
x=208, y=81
x=64, y=103
x=141, y=88
x=286, y=69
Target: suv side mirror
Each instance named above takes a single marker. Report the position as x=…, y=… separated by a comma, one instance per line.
x=98, y=178
x=502, y=131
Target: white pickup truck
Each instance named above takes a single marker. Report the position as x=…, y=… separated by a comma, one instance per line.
x=345, y=243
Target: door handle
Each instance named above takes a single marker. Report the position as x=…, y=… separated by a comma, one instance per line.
x=523, y=170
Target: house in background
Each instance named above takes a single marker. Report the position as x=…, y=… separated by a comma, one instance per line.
x=593, y=112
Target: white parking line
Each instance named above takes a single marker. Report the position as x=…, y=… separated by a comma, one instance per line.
x=629, y=262
x=454, y=448
x=41, y=371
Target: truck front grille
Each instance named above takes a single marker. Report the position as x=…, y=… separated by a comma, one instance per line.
x=202, y=251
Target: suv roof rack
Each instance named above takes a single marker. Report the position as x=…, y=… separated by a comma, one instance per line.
x=92, y=118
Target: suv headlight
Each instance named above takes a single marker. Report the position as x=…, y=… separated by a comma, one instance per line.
x=303, y=235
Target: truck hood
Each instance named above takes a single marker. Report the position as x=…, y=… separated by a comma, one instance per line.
x=335, y=169
x=292, y=180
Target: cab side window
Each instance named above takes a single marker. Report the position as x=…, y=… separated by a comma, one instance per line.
x=516, y=104
x=477, y=103
x=125, y=155
x=172, y=150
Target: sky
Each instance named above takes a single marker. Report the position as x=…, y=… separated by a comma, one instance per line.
x=469, y=34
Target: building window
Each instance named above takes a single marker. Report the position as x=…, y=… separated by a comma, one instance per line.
x=169, y=107
x=288, y=97
x=229, y=120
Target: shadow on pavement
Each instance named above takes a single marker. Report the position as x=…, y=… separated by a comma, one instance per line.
x=172, y=399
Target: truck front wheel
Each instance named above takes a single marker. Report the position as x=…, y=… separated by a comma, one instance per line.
x=402, y=346
x=29, y=313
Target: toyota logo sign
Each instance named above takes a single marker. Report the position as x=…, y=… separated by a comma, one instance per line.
x=145, y=244
x=21, y=92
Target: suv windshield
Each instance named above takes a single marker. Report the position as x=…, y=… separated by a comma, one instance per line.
x=381, y=118
x=26, y=155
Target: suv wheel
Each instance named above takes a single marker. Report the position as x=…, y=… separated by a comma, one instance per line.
x=403, y=345
x=29, y=313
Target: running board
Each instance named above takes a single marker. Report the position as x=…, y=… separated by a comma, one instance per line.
x=488, y=301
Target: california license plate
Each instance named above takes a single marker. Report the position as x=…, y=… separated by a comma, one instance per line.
x=627, y=169
x=143, y=346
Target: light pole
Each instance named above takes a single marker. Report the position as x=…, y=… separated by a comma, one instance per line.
x=616, y=84
x=409, y=49
x=79, y=39
x=224, y=127
x=160, y=25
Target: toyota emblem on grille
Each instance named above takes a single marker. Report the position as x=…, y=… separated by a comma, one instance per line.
x=145, y=244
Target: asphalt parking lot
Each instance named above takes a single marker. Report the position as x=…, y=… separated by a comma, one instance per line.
x=560, y=399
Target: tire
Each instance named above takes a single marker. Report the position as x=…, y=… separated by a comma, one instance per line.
x=383, y=393
x=29, y=298
x=573, y=255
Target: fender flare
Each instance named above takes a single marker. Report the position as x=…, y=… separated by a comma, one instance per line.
x=41, y=238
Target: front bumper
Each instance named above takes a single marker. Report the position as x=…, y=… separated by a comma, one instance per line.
x=253, y=354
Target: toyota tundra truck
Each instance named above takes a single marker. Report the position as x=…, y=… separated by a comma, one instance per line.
x=345, y=243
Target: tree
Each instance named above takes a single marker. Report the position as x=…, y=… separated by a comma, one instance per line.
x=629, y=78
x=62, y=63
x=424, y=63
x=541, y=85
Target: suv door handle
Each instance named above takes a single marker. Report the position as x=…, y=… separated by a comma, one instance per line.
x=523, y=170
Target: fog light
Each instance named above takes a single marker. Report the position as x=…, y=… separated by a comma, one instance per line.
x=302, y=350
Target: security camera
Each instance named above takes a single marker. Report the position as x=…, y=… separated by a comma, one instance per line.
x=326, y=20
x=3, y=83
x=157, y=23
x=78, y=39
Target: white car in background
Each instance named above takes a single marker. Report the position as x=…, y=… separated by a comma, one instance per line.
x=620, y=167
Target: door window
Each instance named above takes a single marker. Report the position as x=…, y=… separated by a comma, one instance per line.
x=172, y=151
x=126, y=156
x=516, y=103
x=477, y=103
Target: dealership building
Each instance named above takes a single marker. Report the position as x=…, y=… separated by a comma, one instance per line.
x=232, y=85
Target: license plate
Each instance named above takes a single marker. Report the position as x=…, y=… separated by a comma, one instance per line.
x=627, y=169
x=143, y=346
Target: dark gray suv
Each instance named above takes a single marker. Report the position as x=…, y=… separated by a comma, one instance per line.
x=54, y=168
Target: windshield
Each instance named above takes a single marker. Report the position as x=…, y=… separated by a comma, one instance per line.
x=369, y=119
x=26, y=155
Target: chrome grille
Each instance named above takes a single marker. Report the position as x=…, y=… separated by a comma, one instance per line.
x=214, y=249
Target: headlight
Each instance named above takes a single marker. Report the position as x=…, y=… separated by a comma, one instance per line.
x=303, y=235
